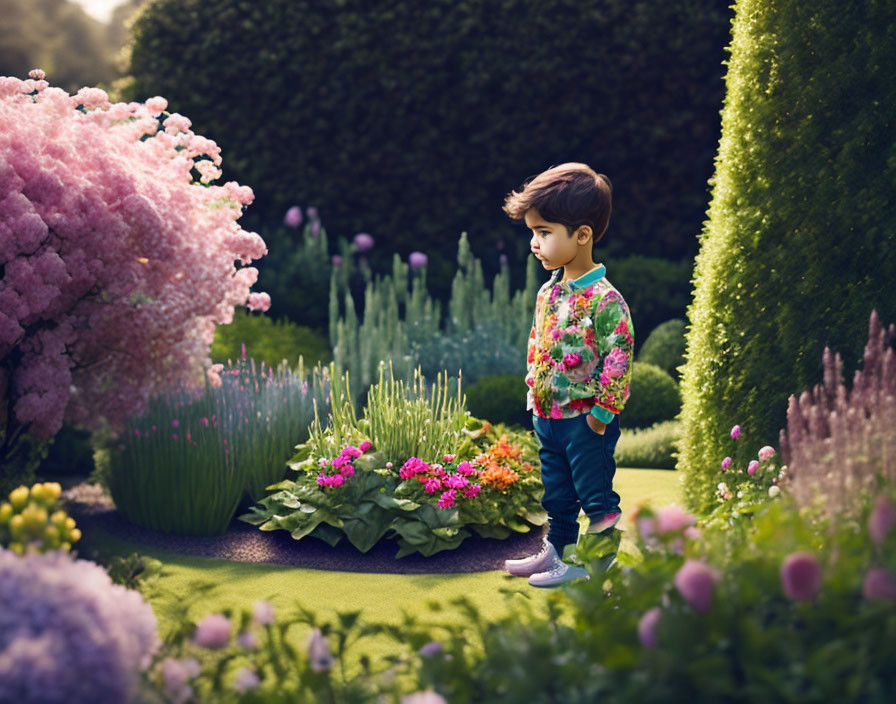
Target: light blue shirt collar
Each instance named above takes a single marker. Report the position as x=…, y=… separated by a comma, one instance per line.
x=585, y=279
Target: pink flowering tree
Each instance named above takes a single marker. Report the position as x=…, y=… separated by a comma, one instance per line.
x=117, y=257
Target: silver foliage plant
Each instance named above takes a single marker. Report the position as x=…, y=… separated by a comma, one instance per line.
x=840, y=446
x=68, y=633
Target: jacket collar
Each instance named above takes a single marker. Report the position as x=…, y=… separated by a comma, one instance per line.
x=584, y=280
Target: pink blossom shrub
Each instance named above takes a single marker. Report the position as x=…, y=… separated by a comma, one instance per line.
x=838, y=443
x=117, y=255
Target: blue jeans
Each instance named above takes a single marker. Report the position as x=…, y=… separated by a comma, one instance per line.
x=577, y=469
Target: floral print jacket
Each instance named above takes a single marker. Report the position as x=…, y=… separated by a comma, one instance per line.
x=580, y=348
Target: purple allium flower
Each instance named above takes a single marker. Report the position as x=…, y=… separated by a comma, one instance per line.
x=319, y=655
x=647, y=627
x=417, y=260
x=363, y=242
x=337, y=260
x=247, y=640
x=293, y=217
x=726, y=463
x=213, y=632
x=766, y=453
x=434, y=647
x=879, y=584
x=311, y=212
x=881, y=520
x=735, y=432
x=263, y=613
x=752, y=467
x=696, y=582
x=801, y=576
x=70, y=619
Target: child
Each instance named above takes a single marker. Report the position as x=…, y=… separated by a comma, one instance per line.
x=579, y=362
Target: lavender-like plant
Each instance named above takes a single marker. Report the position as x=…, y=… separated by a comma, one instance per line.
x=68, y=634
x=838, y=445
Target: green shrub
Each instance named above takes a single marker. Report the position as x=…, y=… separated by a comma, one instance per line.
x=655, y=288
x=799, y=241
x=500, y=398
x=318, y=103
x=664, y=347
x=648, y=448
x=70, y=452
x=268, y=341
x=654, y=397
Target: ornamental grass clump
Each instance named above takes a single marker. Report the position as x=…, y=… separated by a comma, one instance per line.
x=839, y=444
x=68, y=634
x=185, y=466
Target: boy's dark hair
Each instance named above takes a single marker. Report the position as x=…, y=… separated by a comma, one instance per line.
x=572, y=194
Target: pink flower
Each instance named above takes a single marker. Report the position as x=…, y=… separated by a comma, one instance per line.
x=752, y=467
x=572, y=359
x=647, y=627
x=336, y=259
x=337, y=480
x=428, y=696
x=692, y=533
x=448, y=458
x=213, y=632
x=245, y=680
x=766, y=453
x=447, y=499
x=726, y=463
x=432, y=485
x=293, y=217
x=881, y=520
x=319, y=655
x=673, y=518
x=263, y=613
x=735, y=432
x=801, y=576
x=472, y=491
x=389, y=465
x=365, y=446
x=347, y=470
x=247, y=640
x=363, y=241
x=352, y=451
x=417, y=260
x=696, y=583
x=465, y=468
x=879, y=584
x=434, y=647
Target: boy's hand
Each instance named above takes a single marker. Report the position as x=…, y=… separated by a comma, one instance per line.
x=597, y=426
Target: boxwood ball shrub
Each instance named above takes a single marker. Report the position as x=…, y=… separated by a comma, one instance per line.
x=500, y=398
x=799, y=240
x=654, y=397
x=665, y=347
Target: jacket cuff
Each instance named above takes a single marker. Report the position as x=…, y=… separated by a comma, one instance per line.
x=602, y=414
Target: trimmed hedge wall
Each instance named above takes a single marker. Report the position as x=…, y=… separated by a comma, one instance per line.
x=412, y=121
x=800, y=244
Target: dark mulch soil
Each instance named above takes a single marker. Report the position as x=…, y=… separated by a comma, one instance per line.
x=243, y=542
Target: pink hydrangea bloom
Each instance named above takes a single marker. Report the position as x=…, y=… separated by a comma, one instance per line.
x=752, y=467
x=447, y=499
x=801, y=576
x=696, y=583
x=472, y=491
x=673, y=518
x=766, y=453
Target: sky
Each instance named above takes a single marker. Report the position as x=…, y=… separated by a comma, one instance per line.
x=100, y=9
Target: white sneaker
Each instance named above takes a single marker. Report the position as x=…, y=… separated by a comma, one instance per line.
x=558, y=573
x=534, y=563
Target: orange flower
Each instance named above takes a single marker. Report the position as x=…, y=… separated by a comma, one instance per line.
x=503, y=448
x=499, y=477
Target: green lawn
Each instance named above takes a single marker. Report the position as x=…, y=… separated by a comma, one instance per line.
x=380, y=596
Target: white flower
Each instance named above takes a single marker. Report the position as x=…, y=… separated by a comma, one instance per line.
x=773, y=491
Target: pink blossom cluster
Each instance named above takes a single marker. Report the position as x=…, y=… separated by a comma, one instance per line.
x=669, y=525
x=118, y=264
x=342, y=464
x=436, y=478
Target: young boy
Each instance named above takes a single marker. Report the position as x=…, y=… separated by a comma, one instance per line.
x=579, y=362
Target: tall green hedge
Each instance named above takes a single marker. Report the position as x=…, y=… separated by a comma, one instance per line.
x=411, y=121
x=800, y=244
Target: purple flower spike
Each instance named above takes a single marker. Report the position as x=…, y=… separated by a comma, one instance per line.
x=417, y=260
x=363, y=242
x=293, y=217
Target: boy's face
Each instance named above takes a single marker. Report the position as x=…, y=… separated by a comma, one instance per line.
x=551, y=243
